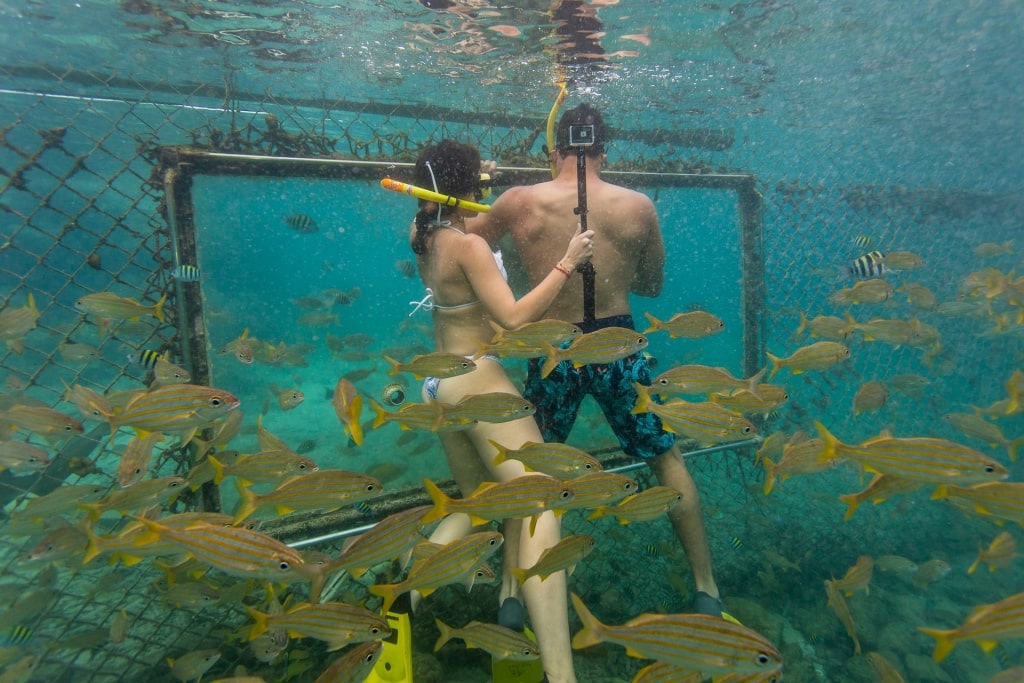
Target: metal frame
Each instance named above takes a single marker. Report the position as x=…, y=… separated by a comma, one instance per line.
x=181, y=164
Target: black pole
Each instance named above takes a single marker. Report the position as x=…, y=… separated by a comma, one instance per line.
x=586, y=269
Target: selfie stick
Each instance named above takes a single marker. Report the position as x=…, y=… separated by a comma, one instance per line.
x=586, y=269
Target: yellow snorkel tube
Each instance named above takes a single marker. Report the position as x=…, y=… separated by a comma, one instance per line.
x=430, y=196
x=562, y=93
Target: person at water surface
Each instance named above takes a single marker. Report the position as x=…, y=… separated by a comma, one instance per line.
x=468, y=291
x=629, y=257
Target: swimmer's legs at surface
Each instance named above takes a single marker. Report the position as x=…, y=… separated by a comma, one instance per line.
x=687, y=518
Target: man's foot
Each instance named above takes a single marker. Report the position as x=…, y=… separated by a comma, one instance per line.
x=511, y=615
x=705, y=604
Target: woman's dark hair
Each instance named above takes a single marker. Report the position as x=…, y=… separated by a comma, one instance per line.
x=455, y=168
x=583, y=115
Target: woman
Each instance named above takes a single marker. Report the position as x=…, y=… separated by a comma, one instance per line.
x=469, y=290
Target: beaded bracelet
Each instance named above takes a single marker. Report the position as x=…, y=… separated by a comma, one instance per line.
x=561, y=269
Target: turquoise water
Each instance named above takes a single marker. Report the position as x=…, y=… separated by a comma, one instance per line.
x=893, y=121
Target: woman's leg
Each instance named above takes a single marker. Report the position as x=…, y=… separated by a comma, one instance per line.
x=546, y=601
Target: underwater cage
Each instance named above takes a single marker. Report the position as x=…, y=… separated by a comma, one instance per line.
x=260, y=166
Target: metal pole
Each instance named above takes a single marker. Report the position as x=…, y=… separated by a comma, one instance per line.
x=586, y=269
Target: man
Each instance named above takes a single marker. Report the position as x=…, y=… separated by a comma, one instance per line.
x=629, y=256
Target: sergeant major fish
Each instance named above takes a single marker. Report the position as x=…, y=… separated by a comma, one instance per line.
x=869, y=265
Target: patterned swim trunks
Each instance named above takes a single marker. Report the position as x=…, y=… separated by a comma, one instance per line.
x=559, y=395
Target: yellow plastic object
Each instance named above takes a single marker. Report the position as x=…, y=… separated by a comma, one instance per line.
x=508, y=671
x=431, y=196
x=395, y=663
x=562, y=92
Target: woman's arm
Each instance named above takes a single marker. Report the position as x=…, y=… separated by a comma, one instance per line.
x=477, y=263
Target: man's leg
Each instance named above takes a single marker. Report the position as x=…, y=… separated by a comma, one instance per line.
x=686, y=518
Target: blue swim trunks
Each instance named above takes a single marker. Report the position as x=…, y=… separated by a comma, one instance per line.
x=559, y=395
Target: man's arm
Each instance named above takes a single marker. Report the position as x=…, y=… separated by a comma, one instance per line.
x=495, y=224
x=650, y=268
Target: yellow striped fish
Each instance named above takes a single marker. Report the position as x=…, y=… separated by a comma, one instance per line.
x=649, y=504
x=192, y=665
x=986, y=625
x=336, y=623
x=707, y=422
x=110, y=305
x=21, y=457
x=203, y=472
x=455, y=562
x=62, y=543
x=768, y=398
x=601, y=346
x=691, y=325
x=390, y=538
x=498, y=641
x=48, y=423
x=90, y=403
x=164, y=371
x=663, y=672
x=528, y=340
x=61, y=500
x=434, y=416
x=141, y=495
x=268, y=440
x=695, y=380
x=999, y=553
x=324, y=490
x=129, y=546
x=598, y=488
x=173, y=409
x=817, y=356
x=934, y=461
x=348, y=406
x=800, y=456
x=837, y=603
x=694, y=642
x=881, y=488
x=755, y=677
x=265, y=466
x=440, y=364
x=549, y=330
x=887, y=673
x=134, y=463
x=525, y=496
x=1000, y=499
x=354, y=666
x=15, y=323
x=563, y=555
x=495, y=406
x=554, y=459
x=236, y=551
x=857, y=577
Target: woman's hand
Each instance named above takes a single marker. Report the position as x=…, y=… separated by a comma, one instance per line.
x=581, y=249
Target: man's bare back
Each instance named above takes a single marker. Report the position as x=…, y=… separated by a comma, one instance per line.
x=629, y=255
